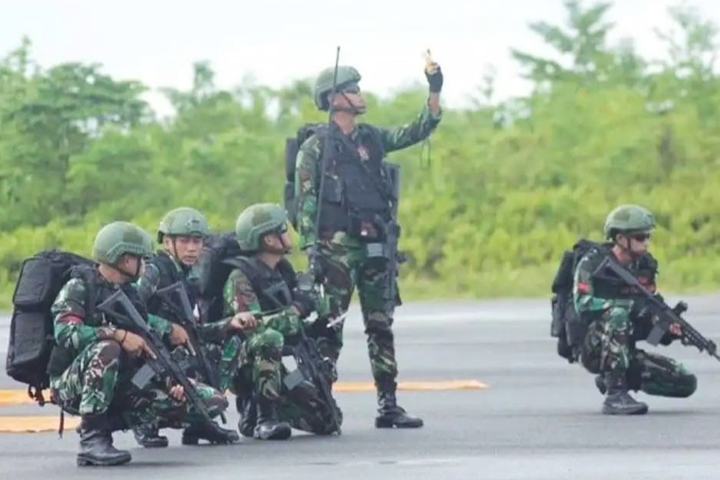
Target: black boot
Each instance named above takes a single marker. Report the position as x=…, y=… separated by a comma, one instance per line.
x=618, y=401
x=248, y=415
x=212, y=432
x=96, y=443
x=147, y=436
x=268, y=426
x=391, y=415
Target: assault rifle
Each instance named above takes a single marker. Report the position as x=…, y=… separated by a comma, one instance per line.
x=611, y=270
x=124, y=314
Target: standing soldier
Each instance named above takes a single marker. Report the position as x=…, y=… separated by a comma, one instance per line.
x=356, y=214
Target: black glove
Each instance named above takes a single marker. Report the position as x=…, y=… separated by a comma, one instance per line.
x=305, y=302
x=435, y=80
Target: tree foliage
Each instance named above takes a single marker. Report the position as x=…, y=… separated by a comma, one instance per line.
x=508, y=186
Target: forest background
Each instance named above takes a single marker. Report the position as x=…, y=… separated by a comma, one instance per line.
x=488, y=205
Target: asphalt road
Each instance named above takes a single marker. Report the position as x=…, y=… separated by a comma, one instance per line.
x=539, y=419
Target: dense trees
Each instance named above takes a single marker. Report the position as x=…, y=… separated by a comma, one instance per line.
x=509, y=185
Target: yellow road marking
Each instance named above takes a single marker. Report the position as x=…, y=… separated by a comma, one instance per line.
x=48, y=423
x=20, y=397
x=345, y=387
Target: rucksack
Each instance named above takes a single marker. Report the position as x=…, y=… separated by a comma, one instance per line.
x=41, y=278
x=213, y=272
x=292, y=146
x=566, y=325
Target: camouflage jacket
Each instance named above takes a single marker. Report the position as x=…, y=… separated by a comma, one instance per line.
x=586, y=290
x=309, y=154
x=74, y=330
x=240, y=297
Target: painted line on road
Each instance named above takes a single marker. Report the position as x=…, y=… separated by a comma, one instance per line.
x=20, y=397
x=36, y=424
x=50, y=423
x=348, y=387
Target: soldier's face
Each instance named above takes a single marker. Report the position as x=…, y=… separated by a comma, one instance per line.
x=130, y=264
x=185, y=249
x=281, y=241
x=637, y=243
x=350, y=98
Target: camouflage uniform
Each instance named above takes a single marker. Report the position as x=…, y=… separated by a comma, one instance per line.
x=262, y=369
x=162, y=271
x=617, y=323
x=261, y=354
x=89, y=370
x=220, y=344
x=343, y=256
x=99, y=373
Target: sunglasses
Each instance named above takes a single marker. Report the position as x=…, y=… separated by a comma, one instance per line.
x=282, y=228
x=351, y=89
x=641, y=237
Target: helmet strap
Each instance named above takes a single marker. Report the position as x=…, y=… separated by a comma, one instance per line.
x=626, y=250
x=128, y=276
x=276, y=251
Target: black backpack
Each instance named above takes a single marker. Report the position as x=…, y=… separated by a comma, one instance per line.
x=32, y=325
x=567, y=326
x=292, y=146
x=213, y=272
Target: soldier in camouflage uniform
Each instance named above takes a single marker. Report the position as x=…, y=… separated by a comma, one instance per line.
x=616, y=322
x=355, y=208
x=181, y=233
x=93, y=361
x=264, y=281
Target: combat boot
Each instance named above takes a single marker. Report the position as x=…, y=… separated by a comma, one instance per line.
x=96, y=443
x=269, y=427
x=618, y=401
x=211, y=432
x=391, y=415
x=248, y=415
x=147, y=436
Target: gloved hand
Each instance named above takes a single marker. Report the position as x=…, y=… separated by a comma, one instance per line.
x=434, y=76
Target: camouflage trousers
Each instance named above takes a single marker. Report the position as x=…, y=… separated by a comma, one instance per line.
x=346, y=268
x=261, y=374
x=261, y=361
x=225, y=357
x=96, y=382
x=303, y=409
x=609, y=347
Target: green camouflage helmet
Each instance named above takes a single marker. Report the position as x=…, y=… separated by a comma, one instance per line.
x=184, y=221
x=256, y=221
x=324, y=83
x=120, y=238
x=629, y=218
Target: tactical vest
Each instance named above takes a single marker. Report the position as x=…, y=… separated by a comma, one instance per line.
x=355, y=188
x=273, y=288
x=170, y=274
